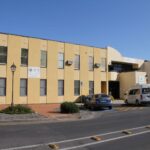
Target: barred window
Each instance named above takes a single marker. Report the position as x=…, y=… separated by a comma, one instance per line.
x=91, y=63
x=24, y=56
x=77, y=87
x=23, y=87
x=60, y=87
x=43, y=58
x=91, y=87
x=60, y=60
x=77, y=62
x=43, y=87
x=3, y=54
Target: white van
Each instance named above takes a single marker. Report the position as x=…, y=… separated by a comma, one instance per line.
x=138, y=94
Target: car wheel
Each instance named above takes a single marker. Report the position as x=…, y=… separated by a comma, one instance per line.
x=110, y=107
x=126, y=102
x=137, y=102
x=92, y=108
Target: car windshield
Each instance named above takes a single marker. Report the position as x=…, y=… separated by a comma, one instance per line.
x=105, y=96
x=146, y=90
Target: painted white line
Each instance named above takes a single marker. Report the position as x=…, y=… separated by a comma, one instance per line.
x=108, y=140
x=71, y=140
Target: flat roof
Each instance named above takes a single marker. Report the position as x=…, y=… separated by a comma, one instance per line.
x=51, y=40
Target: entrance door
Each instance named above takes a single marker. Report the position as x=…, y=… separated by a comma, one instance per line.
x=114, y=89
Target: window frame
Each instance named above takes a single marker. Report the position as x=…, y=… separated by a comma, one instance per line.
x=45, y=87
x=24, y=57
x=3, y=87
x=41, y=60
x=103, y=64
x=77, y=62
x=24, y=87
x=76, y=87
x=3, y=48
x=91, y=63
x=61, y=88
x=60, y=60
x=91, y=88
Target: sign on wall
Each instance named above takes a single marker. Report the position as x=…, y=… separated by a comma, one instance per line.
x=141, y=79
x=33, y=72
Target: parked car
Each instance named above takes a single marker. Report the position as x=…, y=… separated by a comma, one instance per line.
x=138, y=94
x=98, y=101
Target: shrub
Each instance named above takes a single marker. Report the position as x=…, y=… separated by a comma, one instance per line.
x=69, y=107
x=17, y=109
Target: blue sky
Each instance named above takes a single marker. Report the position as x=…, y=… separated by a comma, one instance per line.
x=122, y=24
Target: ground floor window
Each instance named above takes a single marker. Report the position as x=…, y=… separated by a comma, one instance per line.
x=2, y=87
x=43, y=87
x=77, y=87
x=23, y=87
x=91, y=87
x=60, y=87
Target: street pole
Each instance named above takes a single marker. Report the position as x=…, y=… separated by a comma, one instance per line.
x=12, y=102
x=13, y=69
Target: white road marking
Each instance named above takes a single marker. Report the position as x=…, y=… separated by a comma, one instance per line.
x=108, y=140
x=64, y=141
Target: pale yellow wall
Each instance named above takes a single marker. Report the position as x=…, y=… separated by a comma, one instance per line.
x=84, y=70
x=97, y=71
x=69, y=73
x=52, y=73
x=34, y=83
x=13, y=53
x=146, y=68
x=129, y=79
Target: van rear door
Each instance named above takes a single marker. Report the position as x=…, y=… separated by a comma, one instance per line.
x=146, y=93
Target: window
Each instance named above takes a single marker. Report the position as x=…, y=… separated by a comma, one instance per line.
x=77, y=87
x=103, y=64
x=91, y=87
x=77, y=62
x=61, y=60
x=145, y=90
x=91, y=63
x=43, y=58
x=60, y=87
x=43, y=87
x=2, y=87
x=24, y=56
x=3, y=54
x=23, y=87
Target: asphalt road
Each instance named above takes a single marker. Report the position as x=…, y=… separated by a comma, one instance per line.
x=12, y=136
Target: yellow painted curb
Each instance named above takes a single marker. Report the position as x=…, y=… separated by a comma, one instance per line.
x=53, y=146
x=96, y=138
x=126, y=132
x=148, y=127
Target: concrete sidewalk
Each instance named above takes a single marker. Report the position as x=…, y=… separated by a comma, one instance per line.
x=51, y=113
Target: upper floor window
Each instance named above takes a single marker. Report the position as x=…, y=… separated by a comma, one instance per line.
x=103, y=64
x=2, y=87
x=43, y=58
x=24, y=56
x=77, y=62
x=3, y=54
x=60, y=60
x=91, y=63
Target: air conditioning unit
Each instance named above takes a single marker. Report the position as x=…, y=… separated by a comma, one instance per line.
x=97, y=65
x=69, y=62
